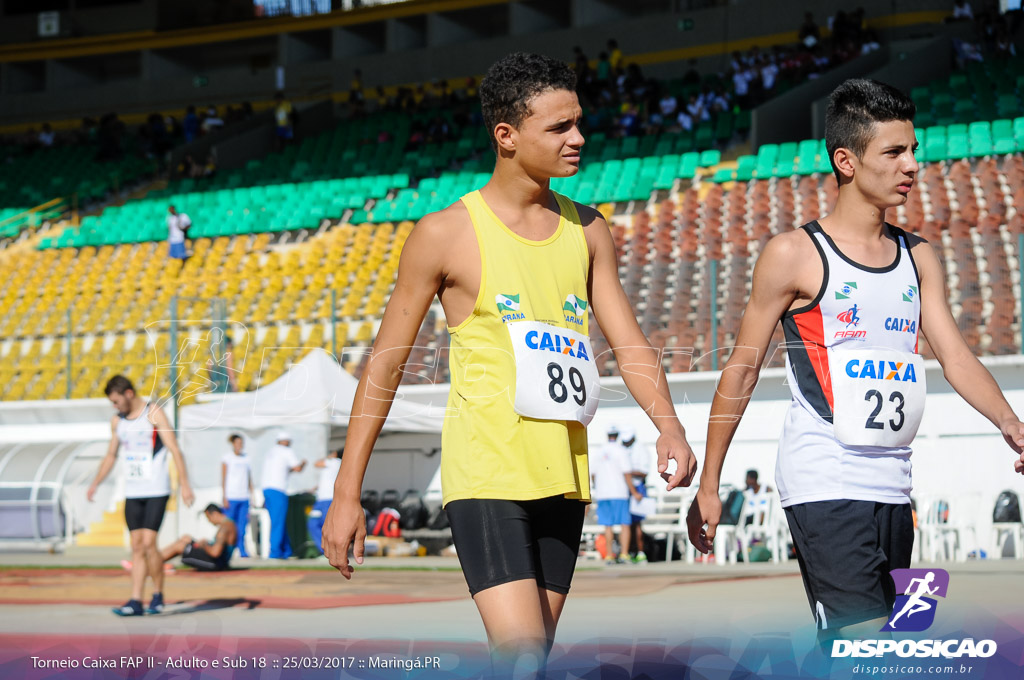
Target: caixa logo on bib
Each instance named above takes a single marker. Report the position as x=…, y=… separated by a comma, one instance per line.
x=553, y=342
x=899, y=371
x=913, y=612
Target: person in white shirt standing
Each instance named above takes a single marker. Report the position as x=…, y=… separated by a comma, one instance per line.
x=177, y=228
x=639, y=508
x=236, y=483
x=279, y=462
x=610, y=470
x=329, y=467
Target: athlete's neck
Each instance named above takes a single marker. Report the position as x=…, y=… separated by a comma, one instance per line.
x=512, y=188
x=856, y=218
x=136, y=407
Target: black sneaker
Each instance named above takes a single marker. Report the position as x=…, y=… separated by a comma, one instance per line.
x=129, y=608
x=156, y=605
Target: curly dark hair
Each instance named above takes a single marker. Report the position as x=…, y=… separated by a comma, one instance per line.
x=514, y=80
x=853, y=109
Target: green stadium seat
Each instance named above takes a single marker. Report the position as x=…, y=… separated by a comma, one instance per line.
x=745, y=168
x=710, y=157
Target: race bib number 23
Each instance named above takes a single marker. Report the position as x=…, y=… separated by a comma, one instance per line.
x=878, y=396
x=556, y=376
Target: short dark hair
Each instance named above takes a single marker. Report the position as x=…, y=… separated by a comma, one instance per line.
x=511, y=82
x=853, y=109
x=752, y=473
x=213, y=507
x=233, y=437
x=119, y=384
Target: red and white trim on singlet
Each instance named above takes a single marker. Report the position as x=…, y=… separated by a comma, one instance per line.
x=857, y=307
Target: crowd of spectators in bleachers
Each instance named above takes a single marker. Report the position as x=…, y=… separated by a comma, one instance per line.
x=995, y=30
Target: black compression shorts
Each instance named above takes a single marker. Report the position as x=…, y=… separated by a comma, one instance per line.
x=500, y=541
x=145, y=513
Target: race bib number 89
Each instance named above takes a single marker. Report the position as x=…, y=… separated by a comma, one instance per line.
x=878, y=396
x=556, y=377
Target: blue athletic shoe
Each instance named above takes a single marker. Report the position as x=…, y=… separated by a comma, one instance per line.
x=129, y=608
x=156, y=605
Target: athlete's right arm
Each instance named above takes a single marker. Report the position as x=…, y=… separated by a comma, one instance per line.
x=107, y=462
x=775, y=287
x=421, y=272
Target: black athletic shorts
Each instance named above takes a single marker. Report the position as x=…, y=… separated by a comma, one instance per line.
x=500, y=541
x=846, y=550
x=202, y=560
x=145, y=513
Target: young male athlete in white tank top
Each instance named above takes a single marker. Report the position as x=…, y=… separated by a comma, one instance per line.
x=853, y=294
x=143, y=435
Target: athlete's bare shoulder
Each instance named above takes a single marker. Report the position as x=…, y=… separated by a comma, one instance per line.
x=789, y=266
x=789, y=249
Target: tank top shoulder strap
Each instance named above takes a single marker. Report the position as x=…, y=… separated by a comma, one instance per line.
x=567, y=207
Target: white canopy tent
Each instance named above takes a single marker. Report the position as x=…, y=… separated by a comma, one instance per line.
x=312, y=400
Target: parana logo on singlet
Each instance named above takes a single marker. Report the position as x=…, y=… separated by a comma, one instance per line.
x=913, y=612
x=846, y=291
x=910, y=294
x=508, y=307
x=576, y=308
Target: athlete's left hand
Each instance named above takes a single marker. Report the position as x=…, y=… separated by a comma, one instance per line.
x=673, y=446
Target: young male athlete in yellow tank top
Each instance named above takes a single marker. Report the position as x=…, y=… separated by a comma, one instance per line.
x=516, y=267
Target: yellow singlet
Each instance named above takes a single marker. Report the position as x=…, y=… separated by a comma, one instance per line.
x=489, y=451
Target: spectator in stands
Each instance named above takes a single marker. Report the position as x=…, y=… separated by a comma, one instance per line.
x=210, y=166
x=668, y=106
x=604, y=68
x=809, y=34
x=962, y=11
x=212, y=121
x=328, y=467
x=1004, y=47
x=212, y=555
x=279, y=462
x=614, y=56
x=769, y=75
x=236, y=484
x=696, y=111
x=190, y=124
x=685, y=120
x=177, y=231
x=741, y=86
x=610, y=471
x=46, y=136
x=282, y=120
